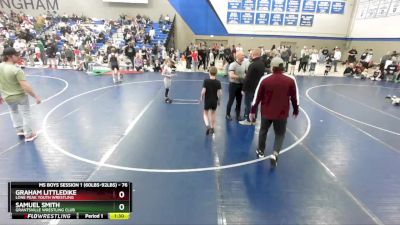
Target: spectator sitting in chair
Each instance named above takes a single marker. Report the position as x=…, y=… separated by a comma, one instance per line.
x=349, y=71
x=146, y=66
x=377, y=75
x=157, y=66
x=391, y=70
x=358, y=71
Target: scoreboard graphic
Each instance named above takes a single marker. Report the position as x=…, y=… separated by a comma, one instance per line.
x=70, y=200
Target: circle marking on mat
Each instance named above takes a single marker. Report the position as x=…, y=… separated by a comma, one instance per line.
x=63, y=151
x=342, y=115
x=66, y=85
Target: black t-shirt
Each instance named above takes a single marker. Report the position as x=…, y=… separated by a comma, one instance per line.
x=130, y=51
x=305, y=59
x=227, y=51
x=51, y=51
x=212, y=87
x=348, y=70
x=229, y=58
x=352, y=54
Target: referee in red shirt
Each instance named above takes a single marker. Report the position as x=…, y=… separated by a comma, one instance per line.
x=274, y=92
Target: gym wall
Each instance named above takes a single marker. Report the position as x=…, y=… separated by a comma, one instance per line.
x=207, y=18
x=326, y=24
x=90, y=8
x=198, y=19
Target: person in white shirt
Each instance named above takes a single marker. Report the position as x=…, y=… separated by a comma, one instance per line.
x=336, y=58
x=212, y=61
x=152, y=33
x=239, y=48
x=368, y=59
x=313, y=61
x=262, y=49
x=164, y=53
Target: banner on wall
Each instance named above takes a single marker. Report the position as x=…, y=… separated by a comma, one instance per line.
x=338, y=7
x=394, y=8
x=249, y=5
x=233, y=18
x=323, y=7
x=263, y=5
x=369, y=9
x=383, y=8
x=276, y=19
x=247, y=18
x=262, y=18
x=293, y=6
x=372, y=9
x=234, y=4
x=309, y=6
x=306, y=20
x=362, y=9
x=291, y=19
x=278, y=6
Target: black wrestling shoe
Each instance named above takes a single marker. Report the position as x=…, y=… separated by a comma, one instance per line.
x=212, y=131
x=260, y=154
x=208, y=130
x=228, y=117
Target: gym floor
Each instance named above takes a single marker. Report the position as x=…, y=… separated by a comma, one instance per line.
x=340, y=164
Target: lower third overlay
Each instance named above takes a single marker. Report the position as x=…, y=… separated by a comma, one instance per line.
x=70, y=200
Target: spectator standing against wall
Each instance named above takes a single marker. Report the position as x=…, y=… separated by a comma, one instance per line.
x=221, y=53
x=313, y=62
x=337, y=55
x=304, y=61
x=195, y=60
x=285, y=57
x=188, y=57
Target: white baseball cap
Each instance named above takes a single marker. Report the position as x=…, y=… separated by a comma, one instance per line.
x=277, y=62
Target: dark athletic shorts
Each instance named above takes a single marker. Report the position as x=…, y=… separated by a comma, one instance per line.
x=114, y=67
x=210, y=105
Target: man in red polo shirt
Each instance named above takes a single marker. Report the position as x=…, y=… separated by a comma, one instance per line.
x=274, y=92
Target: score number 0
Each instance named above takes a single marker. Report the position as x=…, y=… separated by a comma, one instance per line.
x=121, y=206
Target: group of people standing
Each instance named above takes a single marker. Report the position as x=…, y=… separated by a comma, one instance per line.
x=203, y=56
x=273, y=91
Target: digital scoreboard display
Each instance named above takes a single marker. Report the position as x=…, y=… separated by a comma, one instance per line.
x=70, y=200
